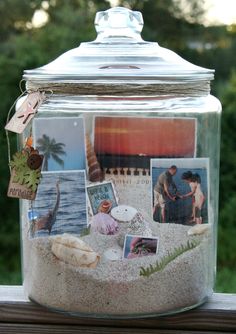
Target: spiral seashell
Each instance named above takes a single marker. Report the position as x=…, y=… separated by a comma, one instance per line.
x=74, y=251
x=94, y=169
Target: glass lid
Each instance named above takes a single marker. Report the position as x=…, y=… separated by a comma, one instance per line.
x=119, y=54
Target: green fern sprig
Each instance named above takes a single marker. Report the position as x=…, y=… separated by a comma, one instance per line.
x=151, y=269
x=23, y=174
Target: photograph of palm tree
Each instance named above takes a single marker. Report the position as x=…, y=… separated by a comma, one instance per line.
x=61, y=141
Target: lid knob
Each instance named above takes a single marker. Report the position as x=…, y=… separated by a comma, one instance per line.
x=119, y=22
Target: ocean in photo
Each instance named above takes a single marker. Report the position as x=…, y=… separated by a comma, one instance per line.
x=62, y=194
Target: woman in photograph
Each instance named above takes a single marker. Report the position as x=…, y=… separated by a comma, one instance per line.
x=198, y=198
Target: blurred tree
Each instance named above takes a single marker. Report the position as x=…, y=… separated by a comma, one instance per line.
x=170, y=23
x=178, y=25
x=22, y=47
x=227, y=226
x=228, y=146
x=166, y=19
x=14, y=16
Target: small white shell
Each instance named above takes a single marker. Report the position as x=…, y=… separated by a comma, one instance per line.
x=113, y=254
x=123, y=213
x=198, y=229
x=74, y=251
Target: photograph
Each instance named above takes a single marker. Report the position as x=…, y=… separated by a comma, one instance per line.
x=138, y=246
x=60, y=204
x=101, y=197
x=60, y=151
x=180, y=190
x=121, y=142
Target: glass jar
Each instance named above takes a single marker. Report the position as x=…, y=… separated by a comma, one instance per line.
x=125, y=218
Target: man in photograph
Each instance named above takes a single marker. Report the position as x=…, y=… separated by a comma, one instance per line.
x=165, y=189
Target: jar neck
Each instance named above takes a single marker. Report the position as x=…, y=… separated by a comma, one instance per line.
x=195, y=89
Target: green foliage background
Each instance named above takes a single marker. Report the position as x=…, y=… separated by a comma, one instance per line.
x=71, y=22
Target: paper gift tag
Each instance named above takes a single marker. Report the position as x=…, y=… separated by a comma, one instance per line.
x=17, y=190
x=25, y=174
x=25, y=113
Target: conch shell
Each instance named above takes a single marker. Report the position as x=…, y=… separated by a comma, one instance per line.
x=74, y=251
x=94, y=169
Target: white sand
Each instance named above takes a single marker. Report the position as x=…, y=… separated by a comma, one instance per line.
x=116, y=287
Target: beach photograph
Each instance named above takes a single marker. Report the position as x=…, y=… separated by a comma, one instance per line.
x=180, y=190
x=60, y=204
x=61, y=141
x=132, y=141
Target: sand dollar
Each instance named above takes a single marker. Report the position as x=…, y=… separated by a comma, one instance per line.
x=123, y=213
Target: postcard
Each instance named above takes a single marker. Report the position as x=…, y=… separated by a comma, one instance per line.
x=180, y=190
x=62, y=142
x=60, y=205
x=139, y=245
x=101, y=197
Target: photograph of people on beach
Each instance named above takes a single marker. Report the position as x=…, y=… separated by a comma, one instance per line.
x=138, y=246
x=60, y=204
x=101, y=197
x=61, y=141
x=121, y=142
x=180, y=190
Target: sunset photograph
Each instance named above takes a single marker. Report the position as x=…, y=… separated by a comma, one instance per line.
x=131, y=142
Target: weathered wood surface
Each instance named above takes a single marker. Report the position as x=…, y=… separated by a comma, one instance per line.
x=18, y=315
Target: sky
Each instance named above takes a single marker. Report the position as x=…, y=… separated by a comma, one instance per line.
x=221, y=11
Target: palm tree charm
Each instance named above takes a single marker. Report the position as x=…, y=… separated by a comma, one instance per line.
x=51, y=150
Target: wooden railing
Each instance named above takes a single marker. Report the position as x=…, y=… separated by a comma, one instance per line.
x=19, y=315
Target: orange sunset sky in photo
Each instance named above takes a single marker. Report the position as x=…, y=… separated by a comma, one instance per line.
x=162, y=137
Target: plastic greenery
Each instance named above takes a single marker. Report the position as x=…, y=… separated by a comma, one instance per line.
x=151, y=269
x=23, y=174
x=32, y=179
x=19, y=161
